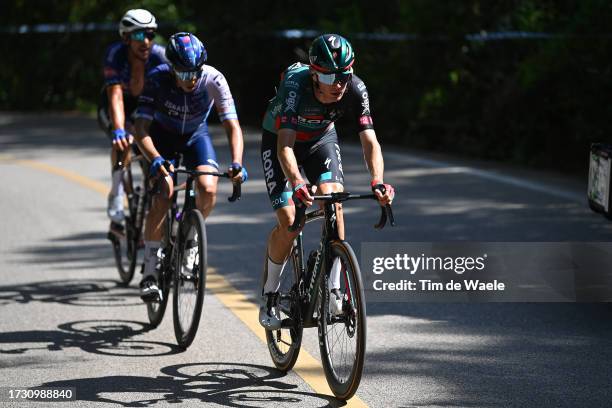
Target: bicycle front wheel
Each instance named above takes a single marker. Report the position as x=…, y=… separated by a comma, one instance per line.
x=342, y=334
x=156, y=310
x=189, y=277
x=284, y=344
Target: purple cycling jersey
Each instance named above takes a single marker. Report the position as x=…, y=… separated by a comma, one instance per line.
x=184, y=113
x=117, y=67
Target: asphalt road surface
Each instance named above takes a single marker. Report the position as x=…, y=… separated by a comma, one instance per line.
x=66, y=322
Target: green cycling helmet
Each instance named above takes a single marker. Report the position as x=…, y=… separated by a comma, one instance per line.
x=331, y=53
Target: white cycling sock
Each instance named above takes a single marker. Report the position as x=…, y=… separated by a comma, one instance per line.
x=150, y=258
x=334, y=275
x=274, y=274
x=117, y=184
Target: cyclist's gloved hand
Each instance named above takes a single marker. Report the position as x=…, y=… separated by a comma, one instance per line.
x=120, y=139
x=235, y=170
x=301, y=196
x=384, y=192
x=156, y=165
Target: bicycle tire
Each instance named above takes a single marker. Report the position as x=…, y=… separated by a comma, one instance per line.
x=189, y=282
x=343, y=380
x=125, y=247
x=156, y=310
x=284, y=358
x=124, y=261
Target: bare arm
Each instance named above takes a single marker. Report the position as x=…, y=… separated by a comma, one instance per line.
x=145, y=143
x=286, y=156
x=115, y=106
x=116, y=112
x=234, y=137
x=372, y=154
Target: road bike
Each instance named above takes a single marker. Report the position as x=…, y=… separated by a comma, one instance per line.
x=127, y=240
x=304, y=295
x=183, y=259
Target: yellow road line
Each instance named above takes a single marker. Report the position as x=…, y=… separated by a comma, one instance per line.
x=307, y=367
x=77, y=178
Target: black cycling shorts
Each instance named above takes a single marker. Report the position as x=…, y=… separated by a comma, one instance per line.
x=320, y=160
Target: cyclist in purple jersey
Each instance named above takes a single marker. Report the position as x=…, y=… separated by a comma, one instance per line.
x=172, y=118
x=126, y=63
x=299, y=132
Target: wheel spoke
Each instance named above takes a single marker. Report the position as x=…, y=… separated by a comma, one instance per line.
x=342, y=343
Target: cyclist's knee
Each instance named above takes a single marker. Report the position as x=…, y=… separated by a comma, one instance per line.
x=160, y=203
x=163, y=191
x=205, y=188
x=286, y=216
x=327, y=188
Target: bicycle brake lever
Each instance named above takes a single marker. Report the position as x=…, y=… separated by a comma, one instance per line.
x=389, y=212
x=236, y=192
x=383, y=218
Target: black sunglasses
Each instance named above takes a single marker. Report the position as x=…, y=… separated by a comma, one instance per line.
x=141, y=35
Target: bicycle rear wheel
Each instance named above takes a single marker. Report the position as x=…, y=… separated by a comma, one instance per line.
x=342, y=338
x=189, y=277
x=125, y=244
x=284, y=344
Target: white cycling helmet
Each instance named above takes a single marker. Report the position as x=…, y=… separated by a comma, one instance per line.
x=137, y=19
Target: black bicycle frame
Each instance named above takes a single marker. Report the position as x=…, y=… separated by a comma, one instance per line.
x=330, y=233
x=308, y=295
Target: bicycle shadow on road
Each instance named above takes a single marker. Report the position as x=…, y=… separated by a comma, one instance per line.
x=76, y=292
x=227, y=384
x=106, y=337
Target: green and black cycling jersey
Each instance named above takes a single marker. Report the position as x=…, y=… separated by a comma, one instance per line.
x=296, y=107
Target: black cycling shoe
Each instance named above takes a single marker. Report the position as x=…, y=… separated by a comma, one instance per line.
x=150, y=291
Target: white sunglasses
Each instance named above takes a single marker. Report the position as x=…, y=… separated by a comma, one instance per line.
x=188, y=75
x=333, y=78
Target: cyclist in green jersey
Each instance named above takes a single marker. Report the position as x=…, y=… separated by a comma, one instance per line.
x=299, y=131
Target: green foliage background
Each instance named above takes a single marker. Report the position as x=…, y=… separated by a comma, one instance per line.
x=536, y=102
